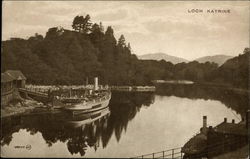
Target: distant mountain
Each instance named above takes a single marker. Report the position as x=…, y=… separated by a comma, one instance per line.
x=160, y=56
x=219, y=59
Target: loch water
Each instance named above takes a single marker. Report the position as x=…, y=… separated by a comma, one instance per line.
x=138, y=123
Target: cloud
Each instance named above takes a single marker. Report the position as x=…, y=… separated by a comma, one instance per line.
x=113, y=15
x=149, y=26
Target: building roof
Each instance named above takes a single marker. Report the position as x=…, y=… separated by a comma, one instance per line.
x=231, y=128
x=196, y=144
x=16, y=74
x=6, y=77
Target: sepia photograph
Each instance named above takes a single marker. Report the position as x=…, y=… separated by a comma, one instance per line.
x=125, y=79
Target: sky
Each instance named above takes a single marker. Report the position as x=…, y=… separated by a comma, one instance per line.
x=149, y=26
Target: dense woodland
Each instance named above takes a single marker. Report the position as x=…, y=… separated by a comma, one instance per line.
x=89, y=50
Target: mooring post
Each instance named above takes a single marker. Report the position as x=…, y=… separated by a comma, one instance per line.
x=163, y=154
x=153, y=155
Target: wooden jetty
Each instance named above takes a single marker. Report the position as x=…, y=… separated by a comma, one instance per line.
x=35, y=94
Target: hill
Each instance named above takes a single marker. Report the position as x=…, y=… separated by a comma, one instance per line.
x=219, y=59
x=234, y=71
x=69, y=56
x=162, y=56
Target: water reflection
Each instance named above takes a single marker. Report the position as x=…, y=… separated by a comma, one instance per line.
x=81, y=134
x=237, y=101
x=81, y=131
x=124, y=108
x=54, y=127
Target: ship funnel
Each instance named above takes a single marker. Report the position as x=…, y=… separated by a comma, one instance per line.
x=96, y=83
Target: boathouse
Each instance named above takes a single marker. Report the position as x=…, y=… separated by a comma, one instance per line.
x=19, y=78
x=10, y=80
x=7, y=88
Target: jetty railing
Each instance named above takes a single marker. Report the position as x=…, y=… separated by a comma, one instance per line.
x=174, y=153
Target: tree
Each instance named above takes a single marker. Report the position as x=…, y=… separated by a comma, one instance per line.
x=95, y=28
x=77, y=23
x=70, y=57
x=109, y=31
x=122, y=41
x=109, y=36
x=129, y=47
x=86, y=24
x=101, y=27
x=82, y=24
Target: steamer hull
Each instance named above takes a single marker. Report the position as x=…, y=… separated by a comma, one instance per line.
x=82, y=107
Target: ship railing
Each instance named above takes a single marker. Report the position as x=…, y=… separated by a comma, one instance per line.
x=89, y=101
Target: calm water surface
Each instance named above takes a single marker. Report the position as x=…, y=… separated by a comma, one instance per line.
x=139, y=123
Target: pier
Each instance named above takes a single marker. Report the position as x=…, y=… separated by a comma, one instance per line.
x=36, y=94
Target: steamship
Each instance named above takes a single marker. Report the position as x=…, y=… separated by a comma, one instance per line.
x=84, y=100
x=87, y=118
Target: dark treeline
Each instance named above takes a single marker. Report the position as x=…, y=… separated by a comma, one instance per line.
x=68, y=57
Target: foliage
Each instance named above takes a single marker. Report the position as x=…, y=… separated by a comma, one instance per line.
x=68, y=57
x=82, y=24
x=234, y=71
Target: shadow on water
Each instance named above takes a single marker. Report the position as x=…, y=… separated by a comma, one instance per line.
x=83, y=132
x=237, y=101
x=123, y=108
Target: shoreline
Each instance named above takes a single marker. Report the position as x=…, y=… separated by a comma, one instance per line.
x=224, y=86
x=221, y=86
x=27, y=105
x=20, y=109
x=133, y=88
